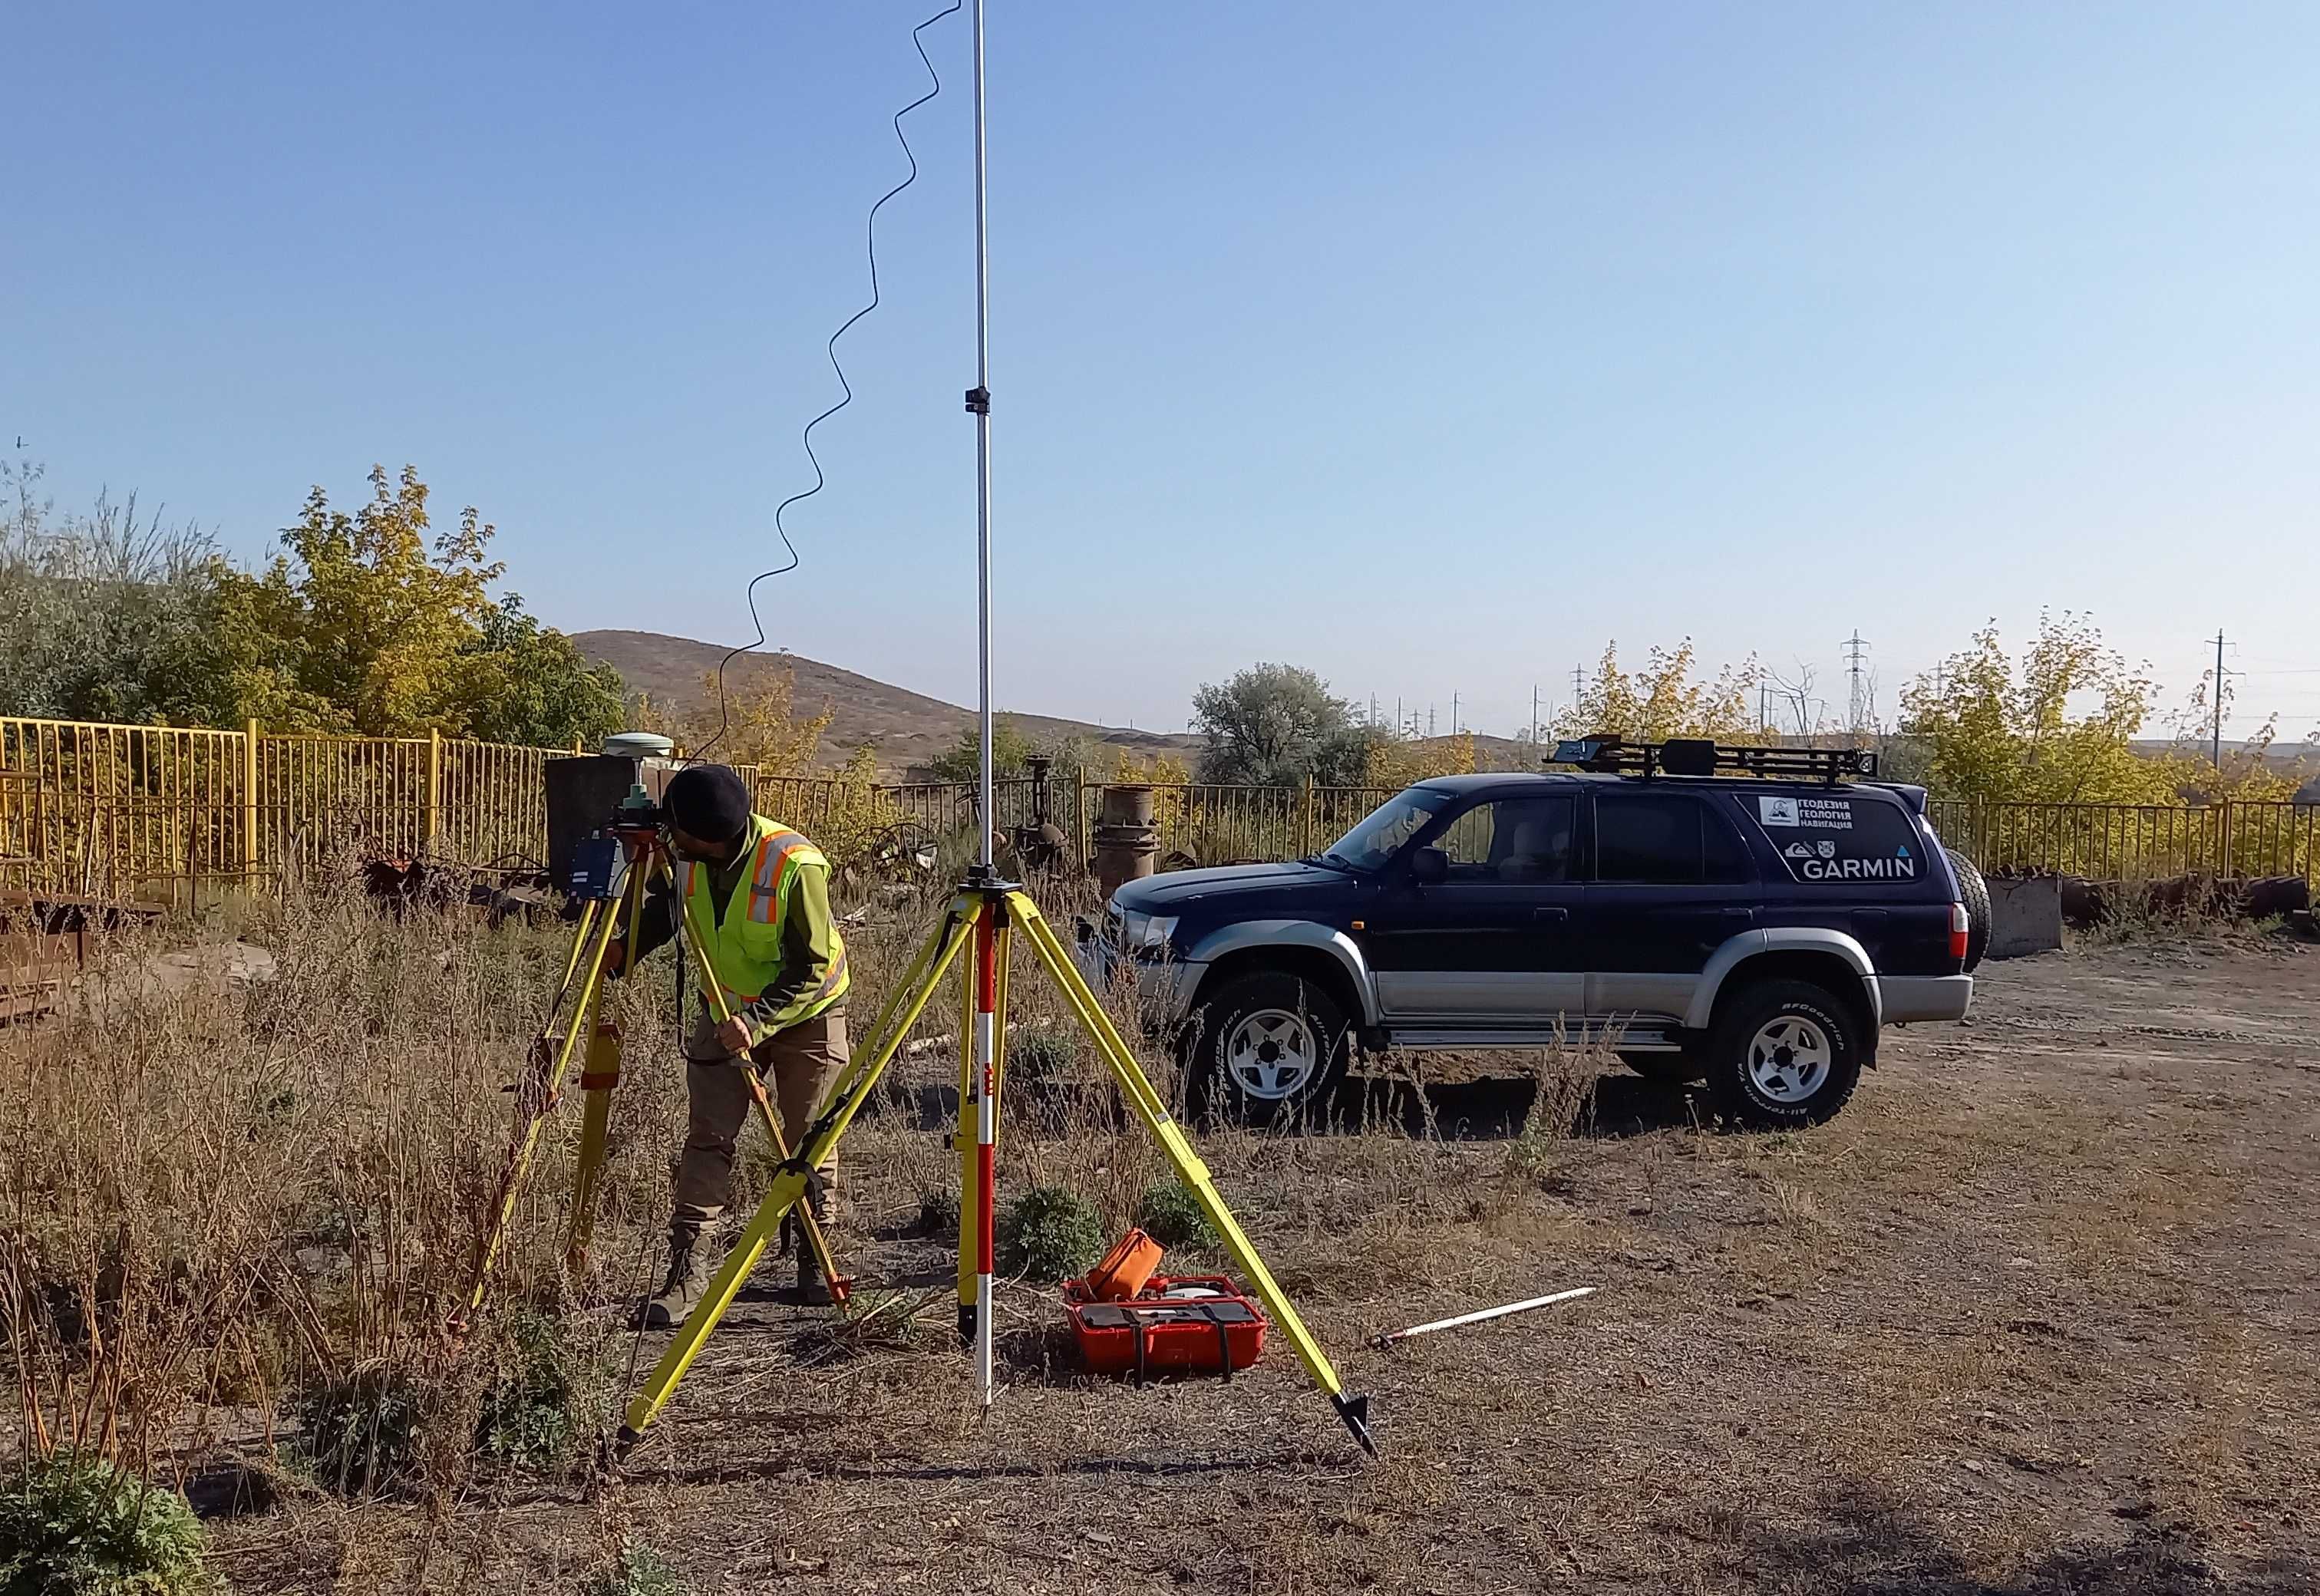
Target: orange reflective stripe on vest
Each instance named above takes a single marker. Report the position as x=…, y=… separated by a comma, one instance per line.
x=777, y=852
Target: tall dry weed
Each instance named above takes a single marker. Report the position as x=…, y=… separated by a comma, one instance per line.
x=219, y=1193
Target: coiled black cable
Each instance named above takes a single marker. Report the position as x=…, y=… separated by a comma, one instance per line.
x=724, y=708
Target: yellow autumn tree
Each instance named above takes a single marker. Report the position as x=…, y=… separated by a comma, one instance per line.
x=756, y=724
x=1663, y=700
x=2056, y=727
x=370, y=622
x=358, y=624
x=1397, y=761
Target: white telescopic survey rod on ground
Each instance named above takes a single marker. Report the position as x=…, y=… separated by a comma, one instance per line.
x=987, y=1124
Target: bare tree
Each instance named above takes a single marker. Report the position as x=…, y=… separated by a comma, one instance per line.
x=1796, y=695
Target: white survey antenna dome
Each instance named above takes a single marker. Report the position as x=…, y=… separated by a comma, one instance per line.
x=636, y=745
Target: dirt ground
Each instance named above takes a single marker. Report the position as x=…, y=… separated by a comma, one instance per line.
x=2040, y=1312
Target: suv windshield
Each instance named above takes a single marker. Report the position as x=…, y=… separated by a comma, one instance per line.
x=1368, y=845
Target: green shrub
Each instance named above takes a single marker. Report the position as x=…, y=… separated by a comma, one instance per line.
x=363, y=1432
x=1173, y=1217
x=938, y=1214
x=639, y=1571
x=1048, y=1234
x=531, y=1413
x=1036, y=1052
x=83, y=1528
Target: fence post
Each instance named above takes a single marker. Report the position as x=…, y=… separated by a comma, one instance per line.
x=1305, y=821
x=1080, y=814
x=430, y=820
x=250, y=735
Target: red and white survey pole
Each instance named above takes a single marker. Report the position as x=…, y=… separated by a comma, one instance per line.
x=986, y=1134
x=986, y=971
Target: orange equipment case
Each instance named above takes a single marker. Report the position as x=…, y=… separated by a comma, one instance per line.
x=1154, y=1333
x=1125, y=1268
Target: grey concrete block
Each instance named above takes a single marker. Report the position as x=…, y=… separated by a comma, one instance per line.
x=2025, y=917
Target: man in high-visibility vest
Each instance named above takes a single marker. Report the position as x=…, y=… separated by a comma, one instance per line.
x=758, y=892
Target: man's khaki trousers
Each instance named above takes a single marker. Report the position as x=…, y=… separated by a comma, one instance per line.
x=803, y=1060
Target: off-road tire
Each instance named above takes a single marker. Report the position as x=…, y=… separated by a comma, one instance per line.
x=1975, y=893
x=1739, y=1063
x=1222, y=1048
x=1666, y=1069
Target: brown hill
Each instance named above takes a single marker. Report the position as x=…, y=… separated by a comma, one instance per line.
x=906, y=728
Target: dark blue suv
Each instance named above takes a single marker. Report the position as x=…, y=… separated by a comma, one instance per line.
x=1750, y=916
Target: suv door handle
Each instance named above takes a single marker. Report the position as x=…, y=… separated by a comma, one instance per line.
x=1557, y=913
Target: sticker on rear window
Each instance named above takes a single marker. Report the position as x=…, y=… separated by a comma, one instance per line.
x=1842, y=838
x=1812, y=814
x=1829, y=859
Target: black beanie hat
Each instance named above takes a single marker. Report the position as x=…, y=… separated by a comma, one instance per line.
x=709, y=802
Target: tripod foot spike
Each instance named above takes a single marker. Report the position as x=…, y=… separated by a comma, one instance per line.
x=624, y=1443
x=1355, y=1412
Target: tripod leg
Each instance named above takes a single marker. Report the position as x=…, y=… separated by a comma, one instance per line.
x=790, y=1183
x=547, y=1077
x=599, y=1073
x=1138, y=1088
x=1002, y=940
x=579, y=941
x=866, y=1045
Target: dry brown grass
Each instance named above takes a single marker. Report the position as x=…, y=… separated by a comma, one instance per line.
x=2032, y=1316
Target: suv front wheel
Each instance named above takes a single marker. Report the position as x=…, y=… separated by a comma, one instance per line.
x=1785, y=1053
x=1269, y=1047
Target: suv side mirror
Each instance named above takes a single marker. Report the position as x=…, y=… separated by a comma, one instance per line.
x=1429, y=866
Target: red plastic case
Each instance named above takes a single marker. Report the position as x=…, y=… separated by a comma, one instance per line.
x=1152, y=1334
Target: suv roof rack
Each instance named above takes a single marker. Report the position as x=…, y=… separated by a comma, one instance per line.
x=1697, y=755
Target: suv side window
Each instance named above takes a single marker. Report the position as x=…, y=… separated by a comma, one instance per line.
x=1510, y=841
x=1664, y=839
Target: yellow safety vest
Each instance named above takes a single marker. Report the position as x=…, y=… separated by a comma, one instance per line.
x=746, y=947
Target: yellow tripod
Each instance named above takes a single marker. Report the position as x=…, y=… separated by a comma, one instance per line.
x=979, y=919
x=645, y=861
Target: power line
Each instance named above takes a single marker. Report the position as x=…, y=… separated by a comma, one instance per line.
x=2216, y=753
x=1854, y=648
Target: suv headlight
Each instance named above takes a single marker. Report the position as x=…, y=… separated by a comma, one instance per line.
x=1142, y=935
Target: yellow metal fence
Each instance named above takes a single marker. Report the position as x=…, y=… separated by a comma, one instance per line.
x=156, y=813
x=2132, y=841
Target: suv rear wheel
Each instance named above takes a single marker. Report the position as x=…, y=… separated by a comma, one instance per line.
x=1269, y=1047
x=1785, y=1053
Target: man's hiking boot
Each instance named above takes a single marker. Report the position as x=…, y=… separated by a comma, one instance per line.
x=812, y=1285
x=813, y=1289
x=689, y=1271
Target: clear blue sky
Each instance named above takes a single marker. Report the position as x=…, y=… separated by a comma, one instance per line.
x=1429, y=346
